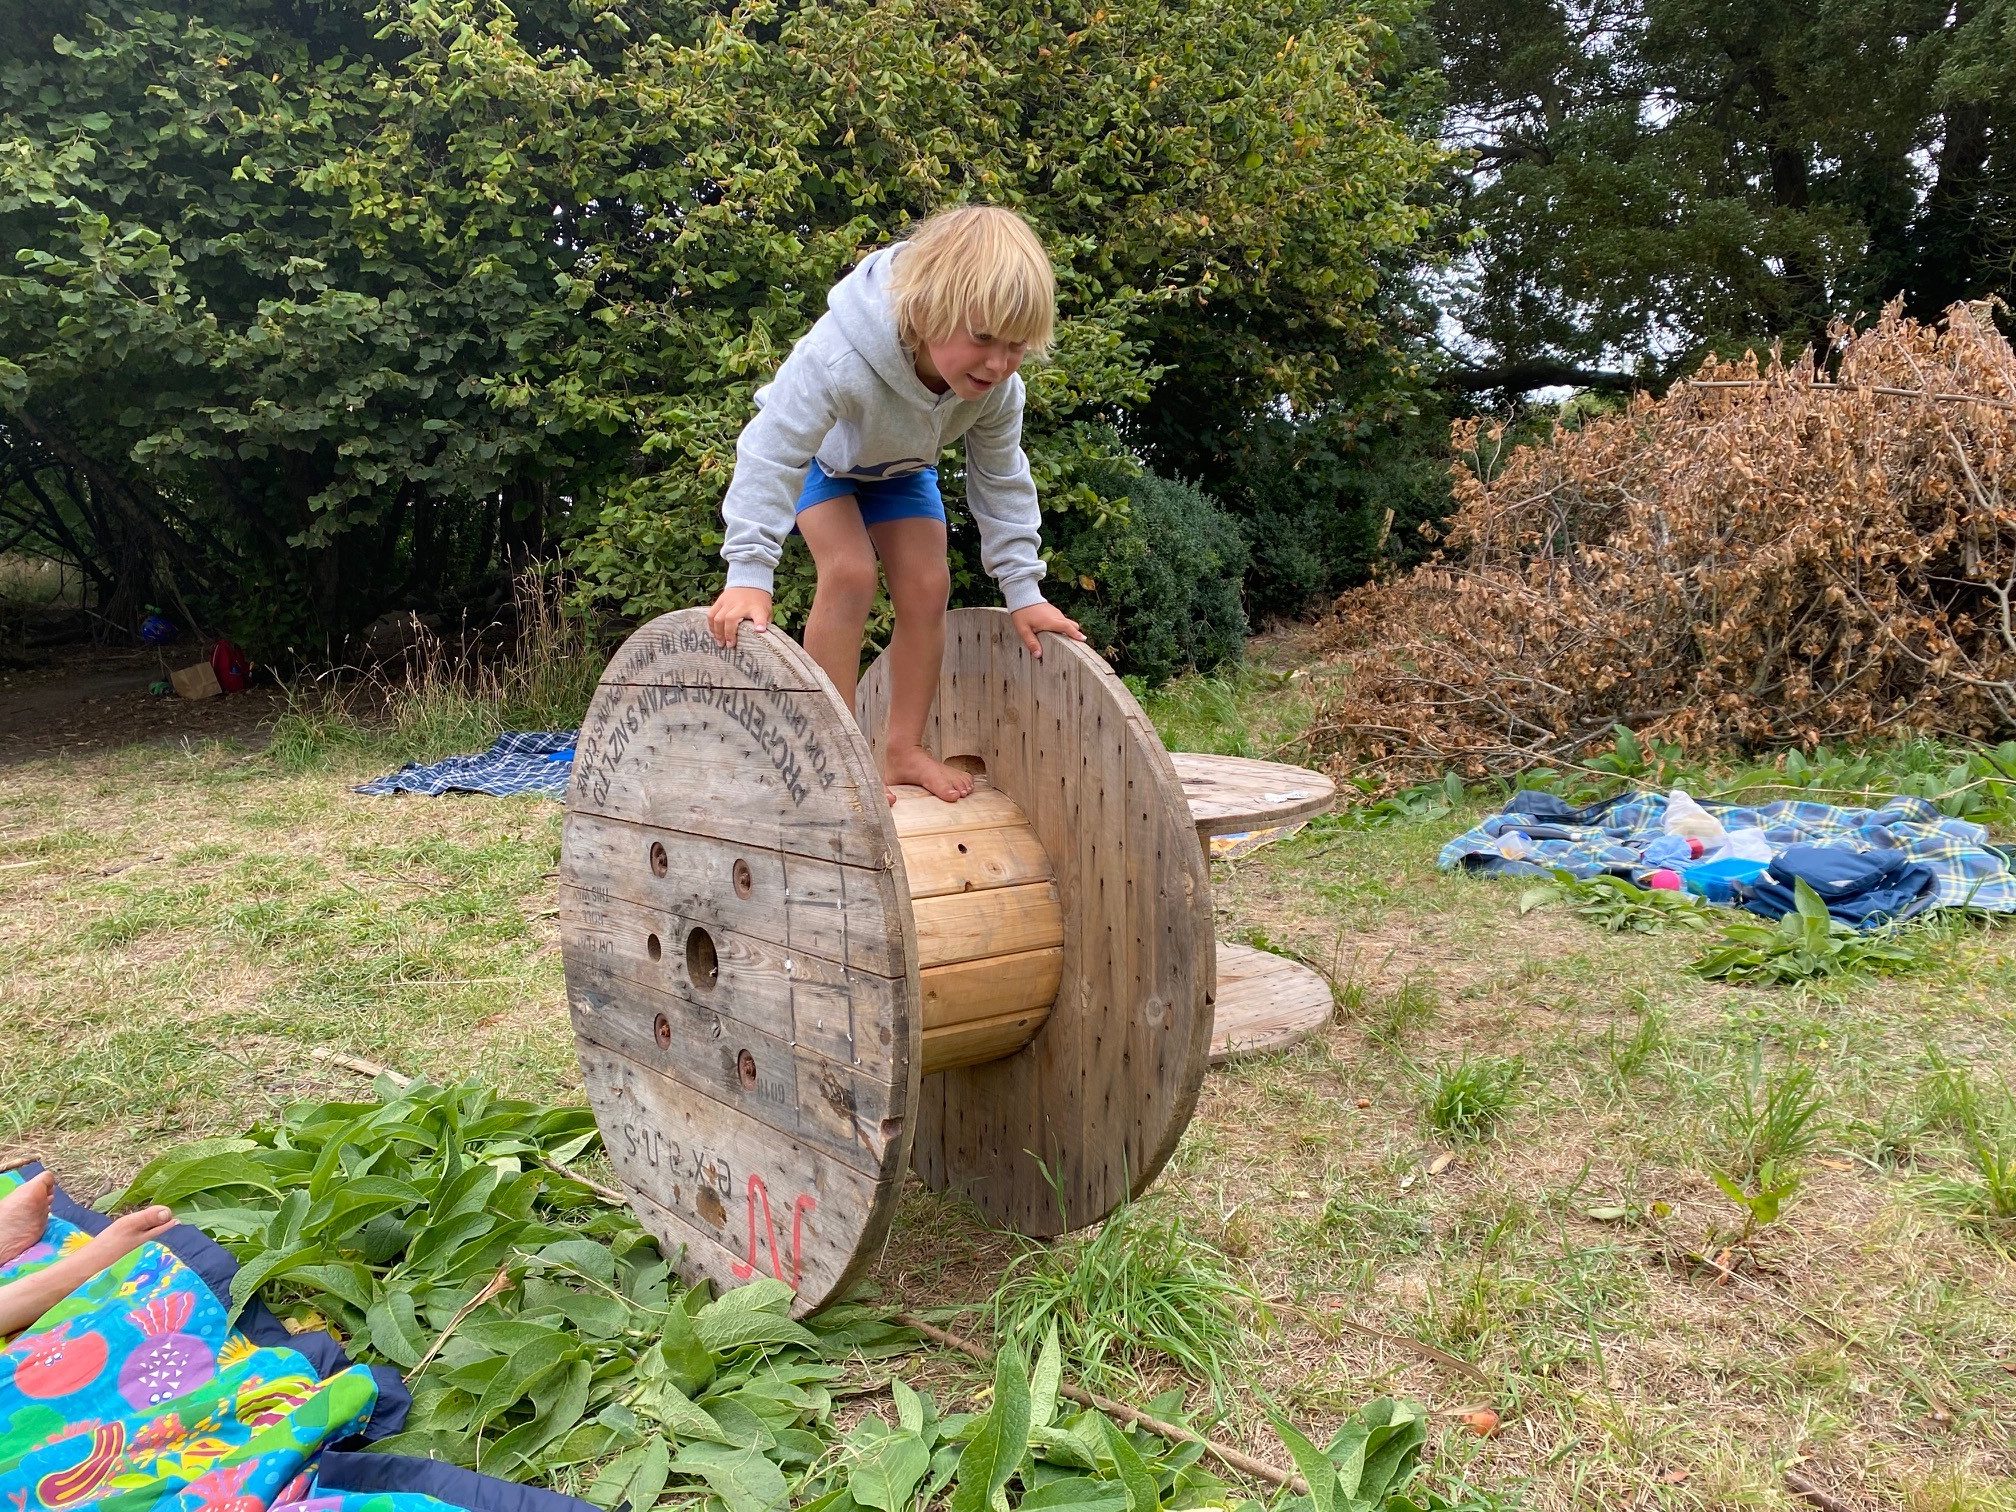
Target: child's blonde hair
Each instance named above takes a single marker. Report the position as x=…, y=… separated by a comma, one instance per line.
x=977, y=269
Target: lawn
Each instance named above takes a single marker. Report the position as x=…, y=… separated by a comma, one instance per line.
x=1491, y=1181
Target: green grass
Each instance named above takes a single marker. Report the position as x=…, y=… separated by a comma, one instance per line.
x=1469, y=1099
x=186, y=995
x=1140, y=1291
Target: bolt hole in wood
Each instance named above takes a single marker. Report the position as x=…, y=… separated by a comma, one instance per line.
x=660, y=863
x=703, y=965
x=744, y=882
x=661, y=1030
x=654, y=947
x=745, y=1068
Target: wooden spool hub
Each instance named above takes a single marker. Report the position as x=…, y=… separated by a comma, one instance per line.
x=765, y=961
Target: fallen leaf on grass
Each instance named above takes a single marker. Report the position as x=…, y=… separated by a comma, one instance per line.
x=1364, y=1102
x=1607, y=1214
x=1482, y=1421
x=1834, y=1165
x=1441, y=1162
x=1673, y=1478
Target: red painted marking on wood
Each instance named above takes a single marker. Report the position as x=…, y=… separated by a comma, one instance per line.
x=805, y=1203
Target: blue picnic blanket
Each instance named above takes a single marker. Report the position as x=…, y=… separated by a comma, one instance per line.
x=1627, y=835
x=522, y=761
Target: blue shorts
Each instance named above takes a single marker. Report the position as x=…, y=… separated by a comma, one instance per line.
x=913, y=496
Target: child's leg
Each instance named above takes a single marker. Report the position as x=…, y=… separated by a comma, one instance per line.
x=23, y=1301
x=920, y=585
x=845, y=558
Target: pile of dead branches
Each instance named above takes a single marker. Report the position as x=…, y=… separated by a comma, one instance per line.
x=1771, y=554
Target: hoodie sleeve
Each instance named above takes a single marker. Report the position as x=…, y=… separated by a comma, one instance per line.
x=1002, y=497
x=796, y=411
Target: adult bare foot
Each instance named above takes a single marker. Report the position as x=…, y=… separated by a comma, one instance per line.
x=914, y=764
x=24, y=1214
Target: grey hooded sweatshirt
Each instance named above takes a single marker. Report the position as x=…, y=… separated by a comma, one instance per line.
x=849, y=394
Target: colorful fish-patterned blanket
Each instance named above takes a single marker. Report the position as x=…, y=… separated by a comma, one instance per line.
x=135, y=1393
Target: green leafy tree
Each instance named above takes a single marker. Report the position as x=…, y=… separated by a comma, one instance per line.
x=1652, y=179
x=341, y=305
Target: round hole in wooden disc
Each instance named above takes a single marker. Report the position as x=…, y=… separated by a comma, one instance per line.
x=703, y=962
x=744, y=882
x=660, y=863
x=661, y=1030
x=654, y=947
x=745, y=1068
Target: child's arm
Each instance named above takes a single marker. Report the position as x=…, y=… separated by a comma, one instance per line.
x=771, y=456
x=1002, y=497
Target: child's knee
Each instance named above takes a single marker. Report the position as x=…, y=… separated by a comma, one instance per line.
x=925, y=591
x=848, y=580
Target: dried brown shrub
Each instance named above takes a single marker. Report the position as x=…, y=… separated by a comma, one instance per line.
x=1762, y=557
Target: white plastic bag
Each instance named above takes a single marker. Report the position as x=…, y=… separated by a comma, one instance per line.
x=1749, y=845
x=1686, y=818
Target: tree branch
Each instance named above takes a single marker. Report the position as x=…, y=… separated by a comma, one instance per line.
x=1535, y=372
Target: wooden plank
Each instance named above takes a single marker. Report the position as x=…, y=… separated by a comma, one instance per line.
x=990, y=987
x=849, y=1017
x=809, y=906
x=849, y=1115
x=1265, y=1002
x=978, y=1040
x=1231, y=794
x=1002, y=921
x=957, y=861
x=679, y=648
x=917, y=812
x=707, y=1174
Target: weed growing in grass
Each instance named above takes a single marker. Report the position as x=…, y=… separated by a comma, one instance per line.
x=1469, y=1099
x=1765, y=1196
x=1650, y=1037
x=1983, y=1197
x=1807, y=945
x=1141, y=1286
x=1396, y=1016
x=1615, y=905
x=1770, y=1117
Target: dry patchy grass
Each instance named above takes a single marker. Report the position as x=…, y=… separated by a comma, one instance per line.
x=186, y=927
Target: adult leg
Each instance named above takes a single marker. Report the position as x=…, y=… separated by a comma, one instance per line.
x=920, y=585
x=845, y=558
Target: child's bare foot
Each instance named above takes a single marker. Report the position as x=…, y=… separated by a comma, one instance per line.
x=24, y=1214
x=914, y=764
x=23, y=1301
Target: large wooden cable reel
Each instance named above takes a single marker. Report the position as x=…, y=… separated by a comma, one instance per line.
x=781, y=989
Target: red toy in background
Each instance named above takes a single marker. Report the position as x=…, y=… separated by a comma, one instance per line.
x=232, y=666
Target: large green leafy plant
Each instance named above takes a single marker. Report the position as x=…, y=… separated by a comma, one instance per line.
x=442, y=1230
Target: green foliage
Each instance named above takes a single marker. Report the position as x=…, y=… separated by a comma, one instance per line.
x=1140, y=1288
x=545, y=1339
x=1468, y=1100
x=1154, y=580
x=1367, y=1465
x=1809, y=944
x=1763, y=1197
x=337, y=304
x=1770, y=1117
x=1672, y=176
x=1616, y=905
x=540, y=1329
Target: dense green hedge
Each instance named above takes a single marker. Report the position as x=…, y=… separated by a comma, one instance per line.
x=320, y=308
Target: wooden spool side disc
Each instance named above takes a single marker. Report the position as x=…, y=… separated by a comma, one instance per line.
x=740, y=956
x=1103, y=1092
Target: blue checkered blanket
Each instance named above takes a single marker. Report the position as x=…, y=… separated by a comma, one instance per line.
x=526, y=761
x=1616, y=837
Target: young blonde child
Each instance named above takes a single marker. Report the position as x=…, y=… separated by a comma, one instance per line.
x=919, y=345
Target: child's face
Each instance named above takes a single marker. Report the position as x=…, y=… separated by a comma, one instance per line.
x=970, y=363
